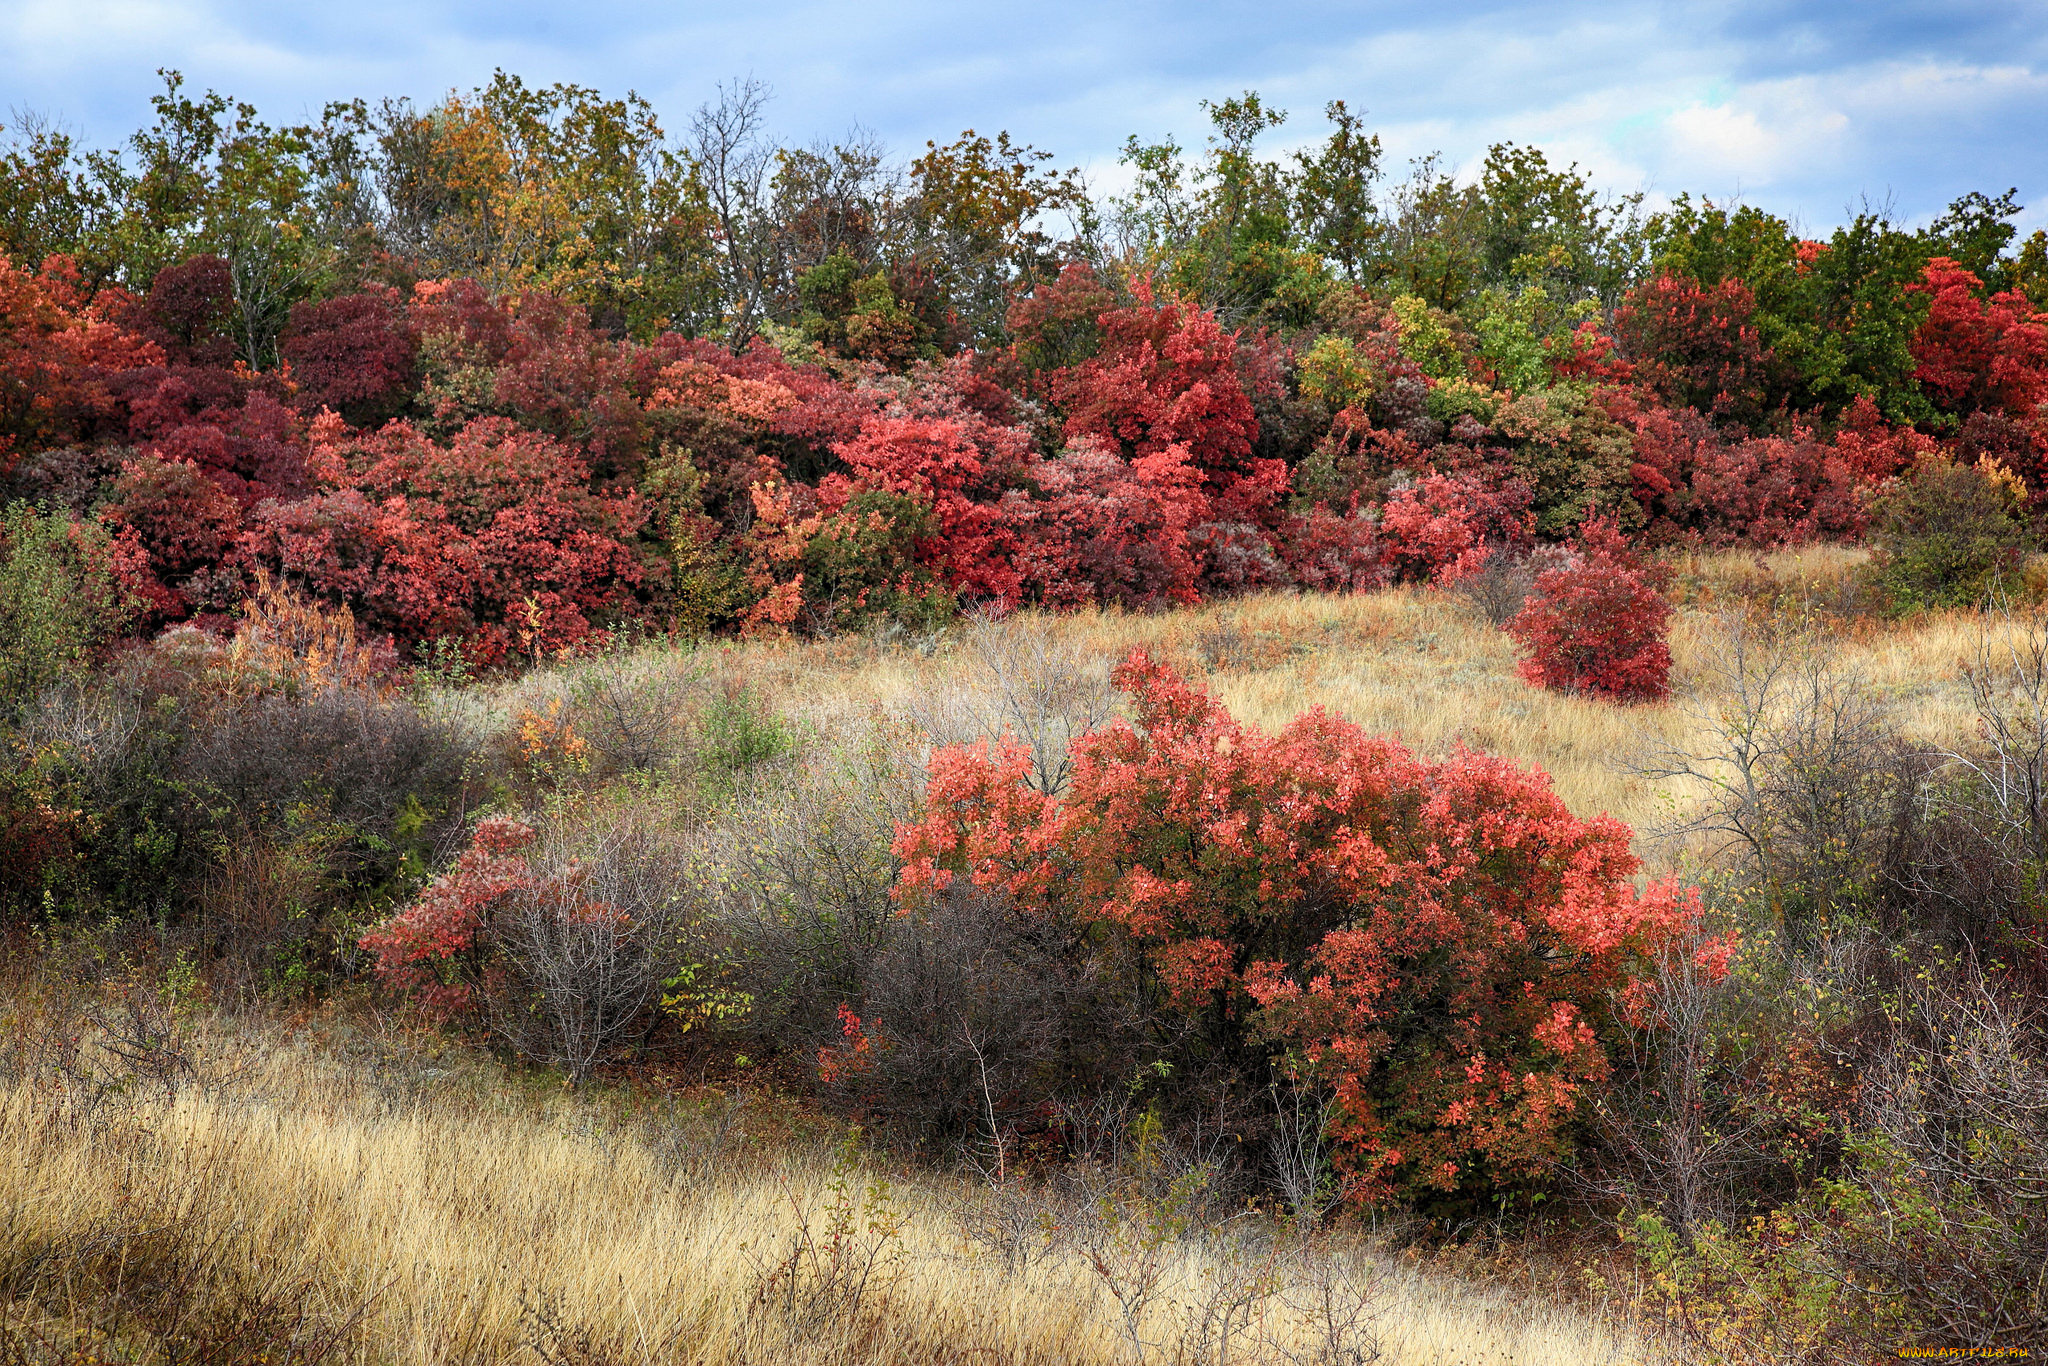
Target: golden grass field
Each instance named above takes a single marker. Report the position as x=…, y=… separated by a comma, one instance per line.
x=428, y=1207
x=463, y=1223
x=1419, y=664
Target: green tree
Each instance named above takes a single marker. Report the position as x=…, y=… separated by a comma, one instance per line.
x=1333, y=193
x=976, y=221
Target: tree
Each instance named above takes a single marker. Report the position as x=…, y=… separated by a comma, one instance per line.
x=976, y=219
x=1540, y=225
x=1333, y=203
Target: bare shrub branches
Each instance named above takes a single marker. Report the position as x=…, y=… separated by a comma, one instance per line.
x=1030, y=681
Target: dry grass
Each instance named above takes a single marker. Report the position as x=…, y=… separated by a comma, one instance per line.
x=1419, y=664
x=448, y=1222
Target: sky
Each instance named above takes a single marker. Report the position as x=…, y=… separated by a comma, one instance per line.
x=1808, y=110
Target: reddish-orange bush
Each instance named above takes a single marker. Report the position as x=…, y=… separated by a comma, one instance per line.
x=1444, y=526
x=1108, y=530
x=1975, y=353
x=495, y=536
x=1597, y=624
x=1440, y=940
x=435, y=950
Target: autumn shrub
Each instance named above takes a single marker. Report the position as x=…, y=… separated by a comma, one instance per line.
x=1975, y=353
x=60, y=351
x=1500, y=585
x=975, y=1025
x=178, y=528
x=954, y=462
x=1058, y=325
x=634, y=705
x=354, y=353
x=253, y=792
x=802, y=853
x=1110, y=530
x=1168, y=375
x=495, y=537
x=1331, y=552
x=1021, y=676
x=1443, y=528
x=1919, y=1234
x=1947, y=535
x=553, y=941
x=1698, y=346
x=1439, y=941
x=839, y=558
x=1562, y=443
x=1597, y=624
x=189, y=311
x=61, y=602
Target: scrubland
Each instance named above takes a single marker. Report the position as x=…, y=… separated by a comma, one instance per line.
x=200, y=1172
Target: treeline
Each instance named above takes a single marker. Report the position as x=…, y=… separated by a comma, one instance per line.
x=712, y=231
x=511, y=369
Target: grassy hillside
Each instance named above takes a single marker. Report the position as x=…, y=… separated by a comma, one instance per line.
x=208, y=1162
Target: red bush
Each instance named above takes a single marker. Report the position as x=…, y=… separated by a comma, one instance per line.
x=434, y=949
x=1059, y=324
x=1698, y=346
x=1772, y=490
x=1442, y=941
x=1104, y=529
x=57, y=356
x=952, y=459
x=495, y=536
x=1975, y=353
x=180, y=529
x=1332, y=553
x=1443, y=527
x=355, y=354
x=189, y=312
x=1598, y=624
x=1167, y=375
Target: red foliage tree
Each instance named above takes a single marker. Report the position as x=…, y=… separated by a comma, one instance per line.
x=1440, y=940
x=1698, y=346
x=1975, y=353
x=1597, y=625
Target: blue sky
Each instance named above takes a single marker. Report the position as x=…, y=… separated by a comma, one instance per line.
x=1805, y=109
